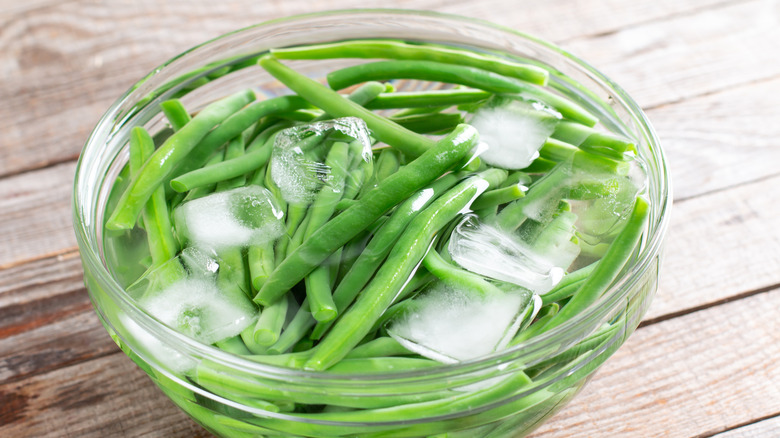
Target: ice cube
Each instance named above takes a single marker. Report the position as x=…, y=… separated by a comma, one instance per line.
x=197, y=308
x=603, y=215
x=449, y=324
x=514, y=131
x=235, y=218
x=495, y=253
x=296, y=168
x=183, y=294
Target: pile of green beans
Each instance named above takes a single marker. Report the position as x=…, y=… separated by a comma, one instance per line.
x=377, y=232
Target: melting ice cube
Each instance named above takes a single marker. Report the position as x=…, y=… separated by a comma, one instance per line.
x=234, y=218
x=495, y=253
x=448, y=324
x=183, y=294
x=296, y=167
x=514, y=131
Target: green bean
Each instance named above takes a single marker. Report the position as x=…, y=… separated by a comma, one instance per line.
x=199, y=192
x=449, y=405
x=456, y=74
x=517, y=177
x=176, y=113
x=234, y=150
x=337, y=105
x=563, y=289
x=236, y=124
x=225, y=170
x=269, y=324
x=168, y=156
x=381, y=244
x=233, y=345
x=498, y=196
x=427, y=99
x=387, y=164
x=353, y=325
x=609, y=266
x=248, y=336
x=156, y=218
x=372, y=49
x=429, y=123
x=455, y=276
x=589, y=139
x=261, y=263
x=295, y=330
x=544, y=316
x=379, y=347
x=342, y=228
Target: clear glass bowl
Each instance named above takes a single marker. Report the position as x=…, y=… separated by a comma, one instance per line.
x=498, y=406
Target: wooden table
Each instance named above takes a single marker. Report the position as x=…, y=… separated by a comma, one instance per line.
x=707, y=72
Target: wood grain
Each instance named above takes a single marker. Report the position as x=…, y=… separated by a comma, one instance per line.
x=105, y=397
x=722, y=139
x=764, y=428
x=690, y=55
x=35, y=214
x=65, y=63
x=690, y=376
x=720, y=245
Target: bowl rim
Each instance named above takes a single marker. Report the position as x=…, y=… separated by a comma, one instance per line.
x=651, y=248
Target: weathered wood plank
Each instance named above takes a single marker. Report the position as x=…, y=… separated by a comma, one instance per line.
x=63, y=65
x=109, y=396
x=761, y=429
x=46, y=318
x=721, y=139
x=690, y=376
x=35, y=214
x=690, y=55
x=720, y=245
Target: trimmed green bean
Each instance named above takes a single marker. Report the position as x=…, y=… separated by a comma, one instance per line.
x=456, y=74
x=176, y=113
x=609, y=266
x=381, y=244
x=372, y=49
x=157, y=220
x=335, y=233
x=337, y=105
x=168, y=156
x=269, y=324
x=236, y=124
x=378, y=296
x=427, y=99
x=498, y=196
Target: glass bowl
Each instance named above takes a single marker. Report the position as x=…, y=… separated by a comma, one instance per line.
x=493, y=400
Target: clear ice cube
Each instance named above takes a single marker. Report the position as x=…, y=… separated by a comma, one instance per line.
x=514, y=131
x=449, y=324
x=235, y=218
x=183, y=294
x=297, y=170
x=494, y=253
